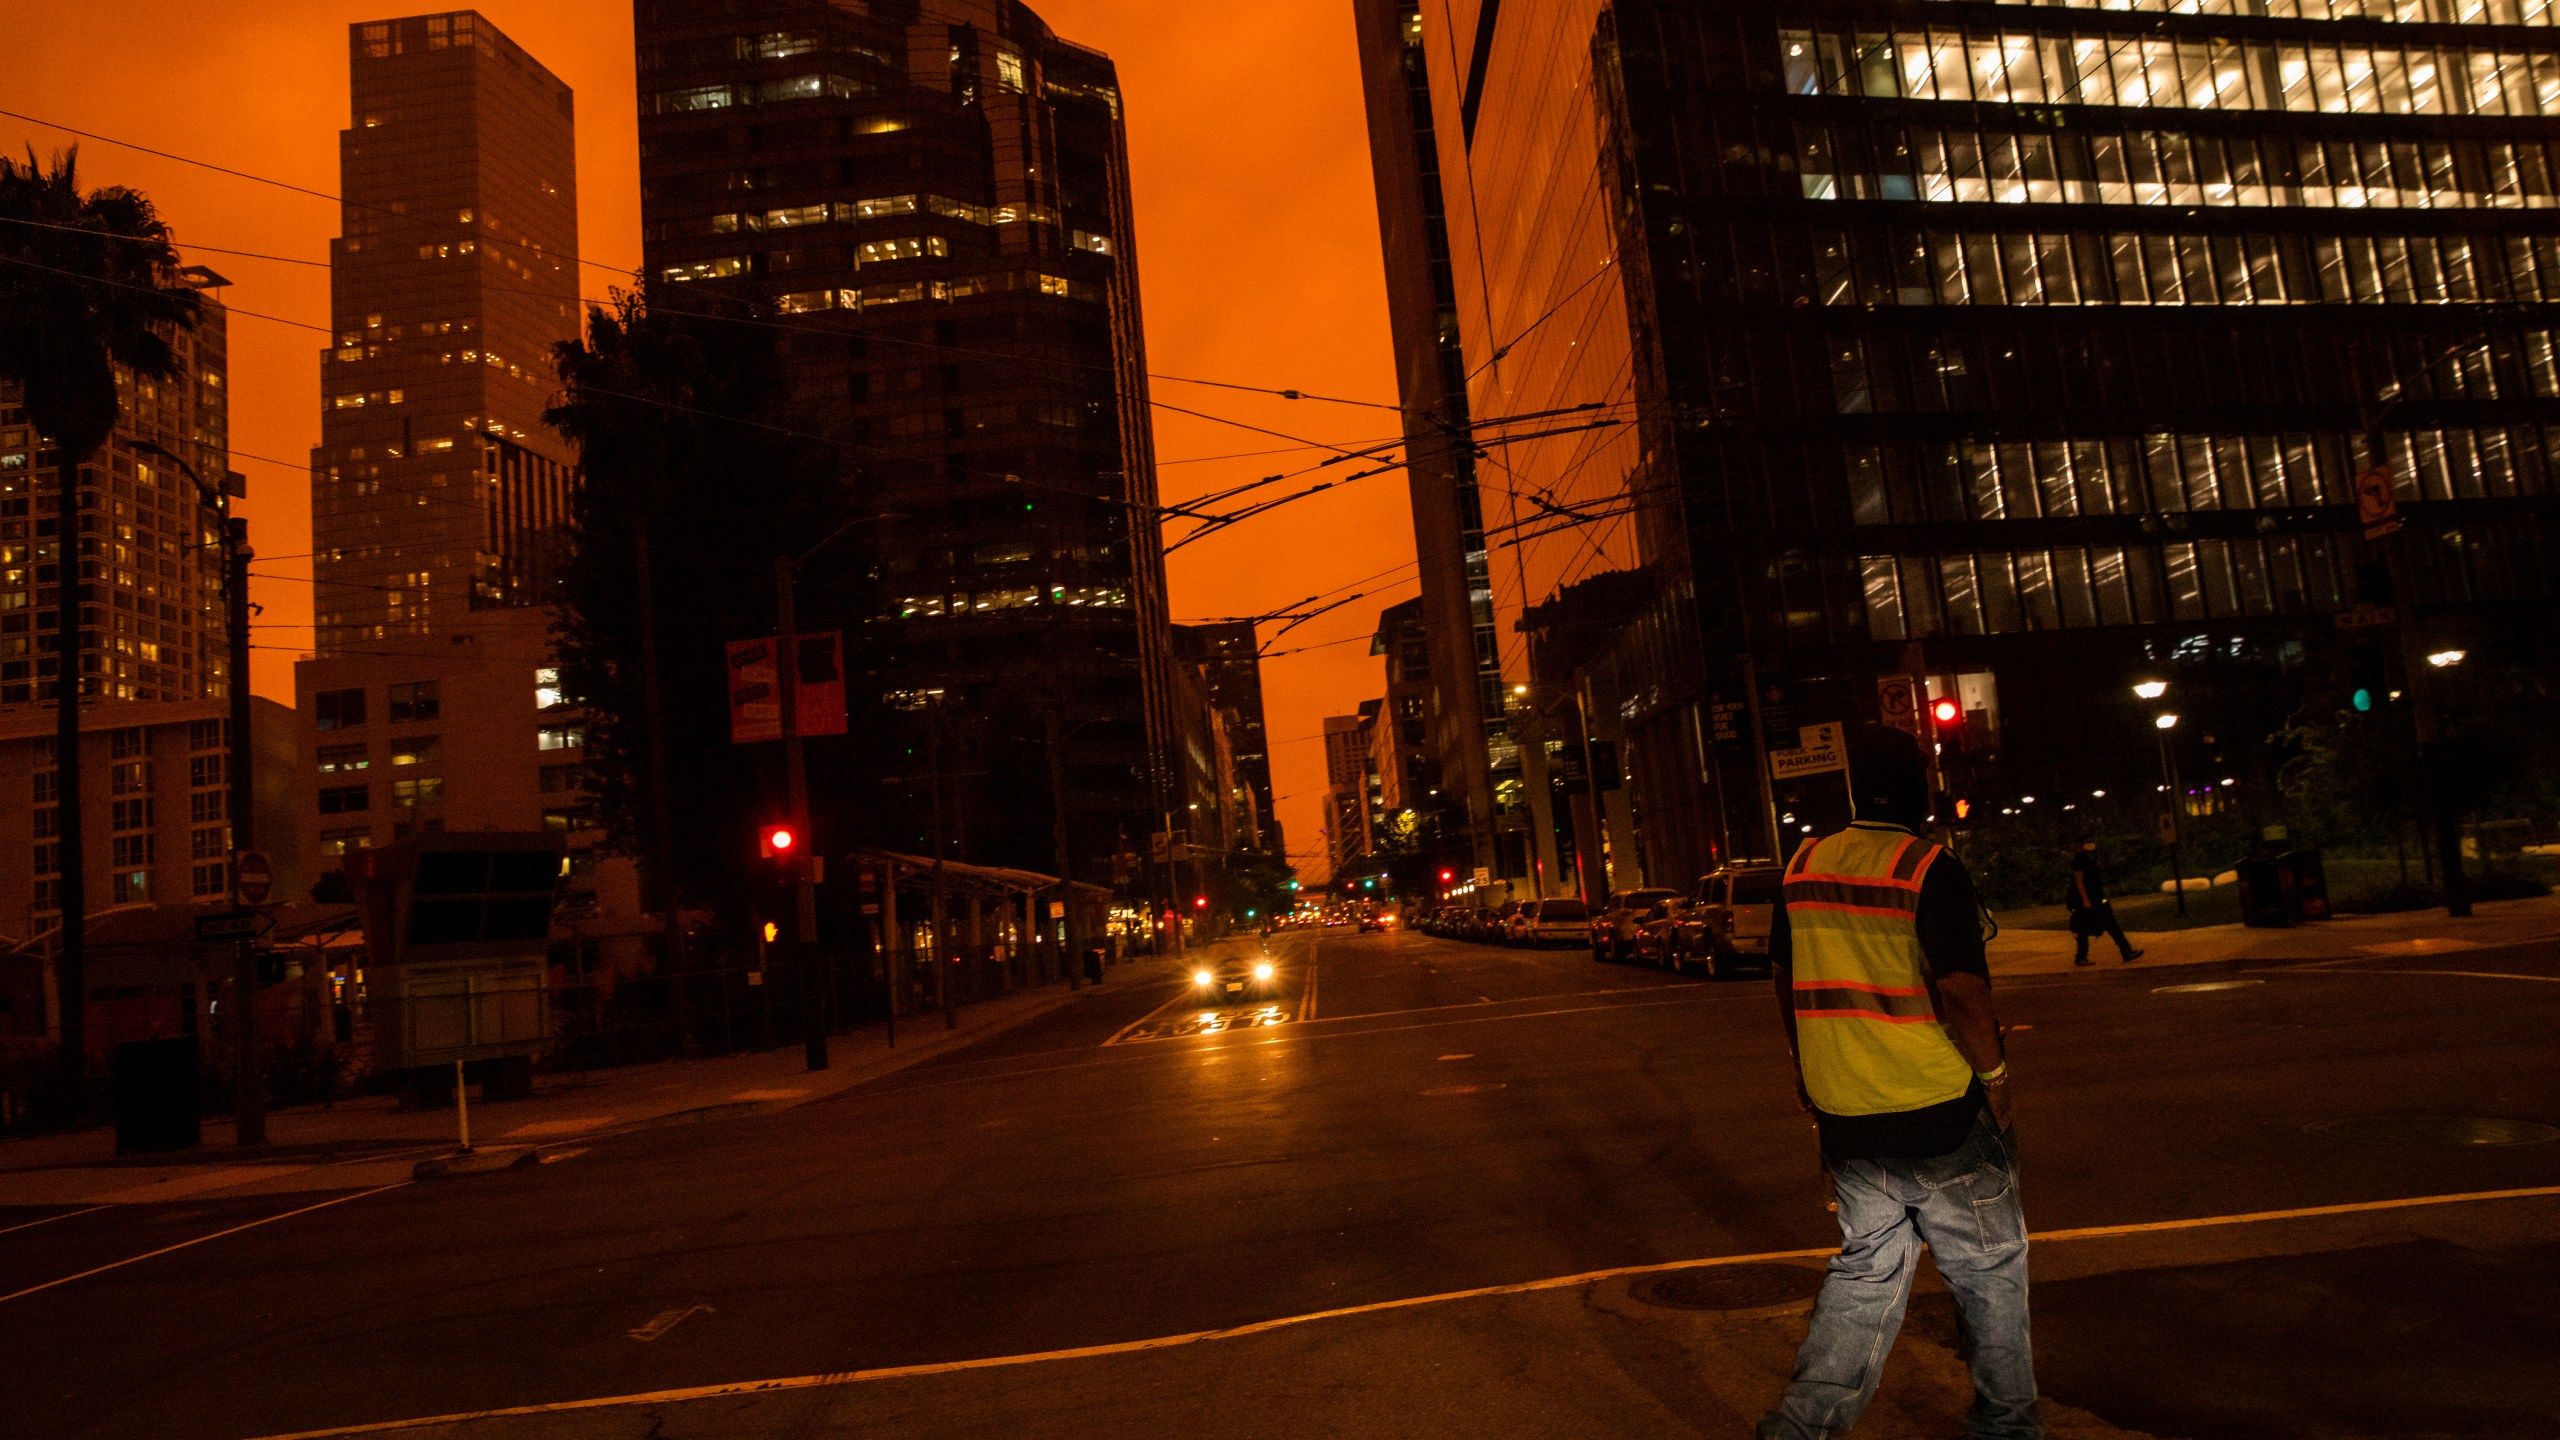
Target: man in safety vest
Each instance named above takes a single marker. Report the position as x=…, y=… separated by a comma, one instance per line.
x=1877, y=946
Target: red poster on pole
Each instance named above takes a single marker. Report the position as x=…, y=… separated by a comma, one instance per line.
x=755, y=688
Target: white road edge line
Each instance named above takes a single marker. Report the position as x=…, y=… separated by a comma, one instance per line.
x=216, y=1235
x=2464, y=974
x=1194, y=1337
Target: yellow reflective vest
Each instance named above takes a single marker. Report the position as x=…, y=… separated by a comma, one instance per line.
x=1867, y=1031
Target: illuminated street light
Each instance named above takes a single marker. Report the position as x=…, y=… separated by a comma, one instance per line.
x=2443, y=659
x=2167, y=722
x=2151, y=689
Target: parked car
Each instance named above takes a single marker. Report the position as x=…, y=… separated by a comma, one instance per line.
x=1657, y=939
x=1494, y=926
x=1560, y=920
x=1614, y=929
x=1725, y=927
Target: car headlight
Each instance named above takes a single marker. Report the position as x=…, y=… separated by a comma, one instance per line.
x=1203, y=977
x=1262, y=972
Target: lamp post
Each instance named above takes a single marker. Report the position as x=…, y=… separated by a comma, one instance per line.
x=2165, y=723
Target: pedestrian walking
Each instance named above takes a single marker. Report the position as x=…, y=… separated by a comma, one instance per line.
x=1877, y=948
x=2092, y=914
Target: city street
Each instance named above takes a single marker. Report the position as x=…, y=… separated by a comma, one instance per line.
x=1084, y=1196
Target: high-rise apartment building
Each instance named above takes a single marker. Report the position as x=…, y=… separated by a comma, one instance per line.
x=2009, y=353
x=936, y=202
x=152, y=606
x=436, y=489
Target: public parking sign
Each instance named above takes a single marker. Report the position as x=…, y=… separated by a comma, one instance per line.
x=252, y=878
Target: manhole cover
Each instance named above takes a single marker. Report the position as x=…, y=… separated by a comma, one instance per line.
x=2203, y=985
x=1728, y=1287
x=2443, y=1131
x=1462, y=1089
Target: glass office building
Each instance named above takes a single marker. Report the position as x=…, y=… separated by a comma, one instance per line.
x=2020, y=349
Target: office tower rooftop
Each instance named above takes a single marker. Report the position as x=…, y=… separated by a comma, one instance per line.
x=435, y=485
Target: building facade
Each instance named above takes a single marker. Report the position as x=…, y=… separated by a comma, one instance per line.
x=2002, y=354
x=936, y=204
x=436, y=489
x=153, y=609
x=1230, y=662
x=1350, y=774
x=156, y=799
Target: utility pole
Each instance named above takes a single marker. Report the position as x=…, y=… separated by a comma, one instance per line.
x=1058, y=826
x=941, y=899
x=2418, y=679
x=70, y=827
x=804, y=894
x=2175, y=812
x=661, y=809
x=249, y=1109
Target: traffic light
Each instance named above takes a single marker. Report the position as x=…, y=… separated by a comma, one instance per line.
x=1199, y=902
x=1293, y=884
x=1448, y=877
x=777, y=842
x=1369, y=884
x=1946, y=711
x=2366, y=681
x=1963, y=809
x=1946, y=721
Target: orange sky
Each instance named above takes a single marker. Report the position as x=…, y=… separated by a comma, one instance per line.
x=1256, y=244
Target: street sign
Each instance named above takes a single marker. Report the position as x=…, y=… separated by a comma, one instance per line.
x=2367, y=617
x=252, y=878
x=1057, y=909
x=2377, y=507
x=218, y=927
x=1727, y=722
x=1898, y=704
x=755, y=688
x=1818, y=750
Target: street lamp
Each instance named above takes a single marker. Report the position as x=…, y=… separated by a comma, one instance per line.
x=2446, y=659
x=2165, y=722
x=2151, y=689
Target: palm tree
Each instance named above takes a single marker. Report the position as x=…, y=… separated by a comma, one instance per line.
x=89, y=293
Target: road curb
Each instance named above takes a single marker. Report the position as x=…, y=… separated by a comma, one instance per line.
x=474, y=1162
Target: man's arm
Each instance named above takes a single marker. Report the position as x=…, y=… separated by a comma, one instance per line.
x=1951, y=940
x=1782, y=954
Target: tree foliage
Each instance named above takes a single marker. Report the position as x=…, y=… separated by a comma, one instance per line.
x=688, y=442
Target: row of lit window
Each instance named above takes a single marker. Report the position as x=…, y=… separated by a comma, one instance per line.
x=762, y=92
x=1910, y=597
x=2411, y=12
x=2164, y=473
x=803, y=302
x=2174, y=74
x=2086, y=268
x=410, y=750
x=846, y=212
x=1098, y=597
x=2174, y=168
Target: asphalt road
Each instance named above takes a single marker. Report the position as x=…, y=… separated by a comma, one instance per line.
x=1406, y=1117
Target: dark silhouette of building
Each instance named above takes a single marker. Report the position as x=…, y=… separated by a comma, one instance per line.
x=1230, y=661
x=2000, y=355
x=936, y=202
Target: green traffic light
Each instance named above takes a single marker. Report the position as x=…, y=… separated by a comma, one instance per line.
x=2363, y=699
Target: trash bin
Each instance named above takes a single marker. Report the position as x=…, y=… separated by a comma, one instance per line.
x=156, y=1102
x=2262, y=900
x=2305, y=883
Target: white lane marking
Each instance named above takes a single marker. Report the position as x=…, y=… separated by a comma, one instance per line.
x=1180, y=997
x=2201, y=986
x=667, y=1320
x=1194, y=1337
x=2464, y=974
x=1467, y=1055
x=1307, y=1003
x=216, y=1235
x=49, y=1219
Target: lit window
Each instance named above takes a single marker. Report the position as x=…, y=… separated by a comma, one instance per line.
x=546, y=688
x=417, y=750
x=560, y=737
x=874, y=252
x=425, y=790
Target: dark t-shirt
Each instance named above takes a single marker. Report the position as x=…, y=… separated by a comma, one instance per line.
x=2088, y=888
x=1951, y=942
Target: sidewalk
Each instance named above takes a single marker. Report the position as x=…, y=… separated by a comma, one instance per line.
x=368, y=1141
x=2423, y=932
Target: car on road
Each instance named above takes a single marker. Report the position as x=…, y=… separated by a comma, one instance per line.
x=1615, y=929
x=1374, y=920
x=1234, y=979
x=1724, y=929
x=1559, y=920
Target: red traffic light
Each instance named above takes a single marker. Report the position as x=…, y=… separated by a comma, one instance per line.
x=1946, y=712
x=1200, y=902
x=776, y=840
x=1448, y=875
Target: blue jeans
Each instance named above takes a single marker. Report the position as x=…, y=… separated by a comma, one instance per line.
x=1965, y=1206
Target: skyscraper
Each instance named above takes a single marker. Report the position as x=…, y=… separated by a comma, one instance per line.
x=435, y=486
x=438, y=496
x=1230, y=661
x=936, y=203
x=2001, y=355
